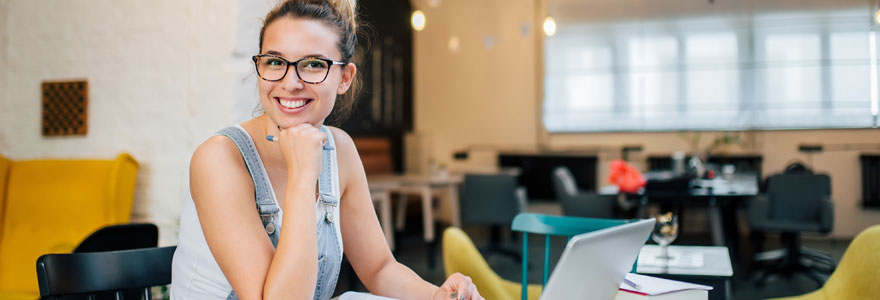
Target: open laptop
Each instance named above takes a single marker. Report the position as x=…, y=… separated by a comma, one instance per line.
x=594, y=264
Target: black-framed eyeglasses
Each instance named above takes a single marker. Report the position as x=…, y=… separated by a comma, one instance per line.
x=312, y=70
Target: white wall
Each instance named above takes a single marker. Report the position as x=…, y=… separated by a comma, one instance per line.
x=160, y=81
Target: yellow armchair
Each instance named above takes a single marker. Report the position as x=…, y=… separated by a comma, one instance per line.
x=460, y=255
x=856, y=275
x=50, y=205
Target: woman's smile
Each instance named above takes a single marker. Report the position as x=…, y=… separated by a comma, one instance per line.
x=292, y=105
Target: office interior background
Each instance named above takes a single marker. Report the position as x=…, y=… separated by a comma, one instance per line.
x=781, y=81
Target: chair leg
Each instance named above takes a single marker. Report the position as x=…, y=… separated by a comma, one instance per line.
x=812, y=274
x=401, y=212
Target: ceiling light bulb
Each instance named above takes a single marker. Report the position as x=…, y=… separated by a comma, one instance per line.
x=549, y=26
x=418, y=20
x=877, y=16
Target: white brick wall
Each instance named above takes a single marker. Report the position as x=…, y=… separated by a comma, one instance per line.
x=162, y=77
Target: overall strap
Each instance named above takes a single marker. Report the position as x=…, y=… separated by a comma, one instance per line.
x=265, y=202
x=325, y=180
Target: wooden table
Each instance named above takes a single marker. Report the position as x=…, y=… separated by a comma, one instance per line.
x=426, y=186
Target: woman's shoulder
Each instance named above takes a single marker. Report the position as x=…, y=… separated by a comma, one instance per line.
x=342, y=139
x=215, y=152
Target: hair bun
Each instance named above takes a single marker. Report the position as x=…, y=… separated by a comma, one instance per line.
x=348, y=10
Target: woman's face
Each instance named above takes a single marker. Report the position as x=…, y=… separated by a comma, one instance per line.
x=290, y=101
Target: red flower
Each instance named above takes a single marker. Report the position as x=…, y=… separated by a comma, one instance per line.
x=627, y=178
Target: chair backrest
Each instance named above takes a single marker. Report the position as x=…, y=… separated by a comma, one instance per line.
x=580, y=203
x=461, y=255
x=550, y=226
x=91, y=273
x=797, y=197
x=563, y=182
x=120, y=237
x=856, y=275
x=481, y=194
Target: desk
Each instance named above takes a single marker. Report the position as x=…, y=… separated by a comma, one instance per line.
x=714, y=193
x=715, y=270
x=426, y=186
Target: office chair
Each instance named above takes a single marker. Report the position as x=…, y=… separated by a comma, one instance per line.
x=492, y=200
x=120, y=237
x=62, y=275
x=579, y=203
x=795, y=202
x=856, y=276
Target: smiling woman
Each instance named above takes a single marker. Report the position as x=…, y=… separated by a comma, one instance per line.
x=311, y=180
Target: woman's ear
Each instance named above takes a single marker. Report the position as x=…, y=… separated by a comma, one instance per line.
x=347, y=78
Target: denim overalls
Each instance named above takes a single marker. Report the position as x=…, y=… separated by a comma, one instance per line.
x=329, y=250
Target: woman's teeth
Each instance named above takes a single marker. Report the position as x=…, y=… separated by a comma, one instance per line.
x=292, y=103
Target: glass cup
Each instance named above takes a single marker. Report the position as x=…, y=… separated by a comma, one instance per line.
x=665, y=231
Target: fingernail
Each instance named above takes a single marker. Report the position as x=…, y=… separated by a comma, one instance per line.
x=454, y=295
x=271, y=138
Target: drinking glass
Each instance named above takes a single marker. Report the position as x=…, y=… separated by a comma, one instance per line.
x=665, y=231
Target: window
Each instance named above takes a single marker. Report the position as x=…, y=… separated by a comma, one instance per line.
x=747, y=70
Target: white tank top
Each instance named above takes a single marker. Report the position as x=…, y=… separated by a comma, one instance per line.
x=195, y=273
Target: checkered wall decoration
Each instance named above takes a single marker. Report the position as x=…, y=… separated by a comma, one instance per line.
x=65, y=107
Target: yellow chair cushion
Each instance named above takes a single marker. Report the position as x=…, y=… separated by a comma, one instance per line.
x=460, y=255
x=52, y=205
x=856, y=275
x=18, y=296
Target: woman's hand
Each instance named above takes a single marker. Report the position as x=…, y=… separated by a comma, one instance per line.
x=301, y=146
x=458, y=287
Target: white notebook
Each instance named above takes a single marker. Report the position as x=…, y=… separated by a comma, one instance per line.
x=361, y=296
x=659, y=288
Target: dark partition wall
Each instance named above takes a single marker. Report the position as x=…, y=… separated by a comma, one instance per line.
x=537, y=171
x=384, y=58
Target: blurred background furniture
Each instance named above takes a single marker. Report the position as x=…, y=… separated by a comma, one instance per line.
x=856, y=276
x=460, y=255
x=796, y=201
x=90, y=273
x=578, y=203
x=492, y=200
x=120, y=237
x=536, y=171
x=51, y=205
x=115, y=238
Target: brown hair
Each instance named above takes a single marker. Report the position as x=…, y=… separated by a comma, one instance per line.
x=339, y=14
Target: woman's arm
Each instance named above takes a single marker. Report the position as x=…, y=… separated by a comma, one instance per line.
x=223, y=193
x=365, y=244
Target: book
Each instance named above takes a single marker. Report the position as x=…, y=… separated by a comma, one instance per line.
x=361, y=296
x=660, y=289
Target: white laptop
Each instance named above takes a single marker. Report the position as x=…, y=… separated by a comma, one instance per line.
x=594, y=264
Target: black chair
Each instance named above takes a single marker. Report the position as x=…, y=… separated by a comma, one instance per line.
x=89, y=274
x=492, y=200
x=578, y=203
x=120, y=237
x=797, y=201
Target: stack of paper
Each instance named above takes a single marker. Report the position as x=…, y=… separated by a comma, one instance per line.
x=660, y=289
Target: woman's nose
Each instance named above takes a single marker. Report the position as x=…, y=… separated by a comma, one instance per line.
x=291, y=81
